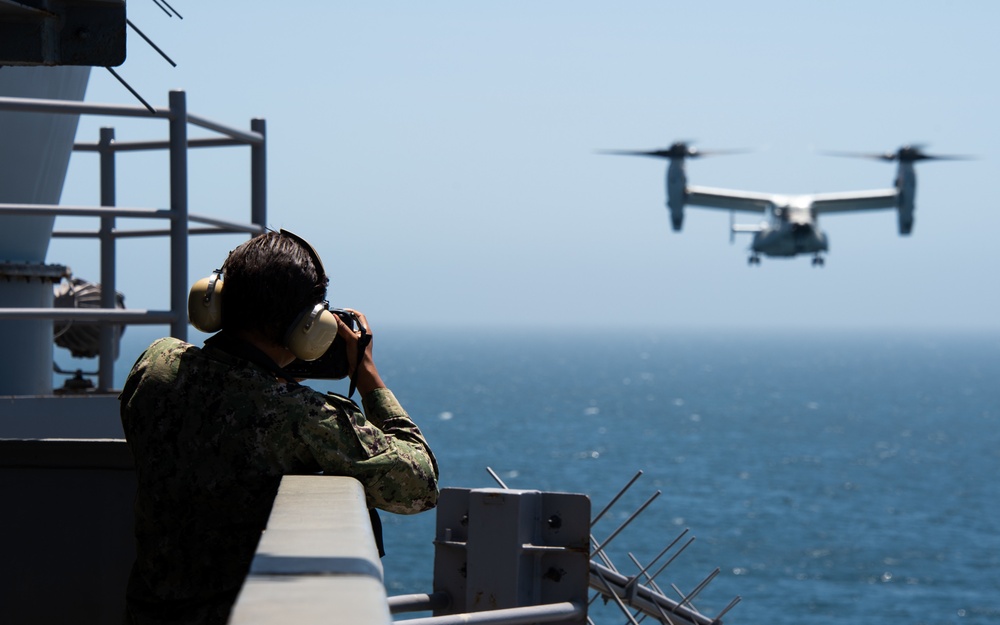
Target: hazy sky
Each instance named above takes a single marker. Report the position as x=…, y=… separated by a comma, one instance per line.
x=441, y=156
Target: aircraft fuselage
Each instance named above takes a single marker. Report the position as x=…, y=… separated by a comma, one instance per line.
x=791, y=229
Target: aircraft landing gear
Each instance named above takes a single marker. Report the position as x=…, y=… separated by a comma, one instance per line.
x=753, y=260
x=818, y=261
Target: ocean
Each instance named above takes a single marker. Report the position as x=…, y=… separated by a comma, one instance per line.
x=833, y=477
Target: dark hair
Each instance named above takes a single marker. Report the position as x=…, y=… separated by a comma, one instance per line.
x=269, y=281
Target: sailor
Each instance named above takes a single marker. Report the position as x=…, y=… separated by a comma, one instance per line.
x=213, y=429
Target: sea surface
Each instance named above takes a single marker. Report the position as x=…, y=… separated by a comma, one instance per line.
x=833, y=477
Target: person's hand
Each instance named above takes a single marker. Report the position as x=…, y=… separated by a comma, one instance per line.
x=365, y=376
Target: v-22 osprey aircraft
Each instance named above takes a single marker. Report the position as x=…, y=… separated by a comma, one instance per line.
x=791, y=227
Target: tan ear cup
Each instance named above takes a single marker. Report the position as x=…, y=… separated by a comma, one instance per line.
x=205, y=304
x=312, y=333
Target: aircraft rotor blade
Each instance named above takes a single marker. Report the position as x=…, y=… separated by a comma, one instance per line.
x=916, y=152
x=889, y=156
x=679, y=149
x=907, y=153
x=719, y=152
x=947, y=157
x=652, y=153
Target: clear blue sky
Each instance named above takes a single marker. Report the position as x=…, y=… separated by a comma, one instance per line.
x=442, y=155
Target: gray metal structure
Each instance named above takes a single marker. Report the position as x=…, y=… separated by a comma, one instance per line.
x=67, y=476
x=17, y=375
x=791, y=226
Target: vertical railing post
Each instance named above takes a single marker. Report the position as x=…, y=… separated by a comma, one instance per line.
x=108, y=344
x=179, y=214
x=258, y=175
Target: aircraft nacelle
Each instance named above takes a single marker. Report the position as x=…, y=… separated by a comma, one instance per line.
x=906, y=187
x=905, y=220
x=676, y=192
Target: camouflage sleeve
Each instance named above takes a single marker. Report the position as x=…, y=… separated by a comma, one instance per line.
x=390, y=456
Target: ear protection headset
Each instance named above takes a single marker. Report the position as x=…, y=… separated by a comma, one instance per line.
x=308, y=338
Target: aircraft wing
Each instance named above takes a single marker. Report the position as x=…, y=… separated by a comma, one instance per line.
x=854, y=201
x=728, y=199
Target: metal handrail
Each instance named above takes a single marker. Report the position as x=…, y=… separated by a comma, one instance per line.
x=107, y=211
x=176, y=215
x=85, y=211
x=39, y=105
x=113, y=315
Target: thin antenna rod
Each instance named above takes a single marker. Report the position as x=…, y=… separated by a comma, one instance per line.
x=672, y=558
x=131, y=90
x=615, y=499
x=171, y=8
x=643, y=569
x=700, y=587
x=604, y=557
x=497, y=478
x=150, y=42
x=732, y=604
x=663, y=618
x=618, y=600
x=625, y=524
x=162, y=8
x=680, y=594
x=652, y=584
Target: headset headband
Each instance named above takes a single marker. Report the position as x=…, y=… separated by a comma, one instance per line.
x=320, y=272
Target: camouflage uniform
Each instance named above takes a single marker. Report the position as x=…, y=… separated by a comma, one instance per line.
x=212, y=434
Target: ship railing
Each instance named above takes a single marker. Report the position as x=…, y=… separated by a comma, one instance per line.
x=317, y=561
x=178, y=215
